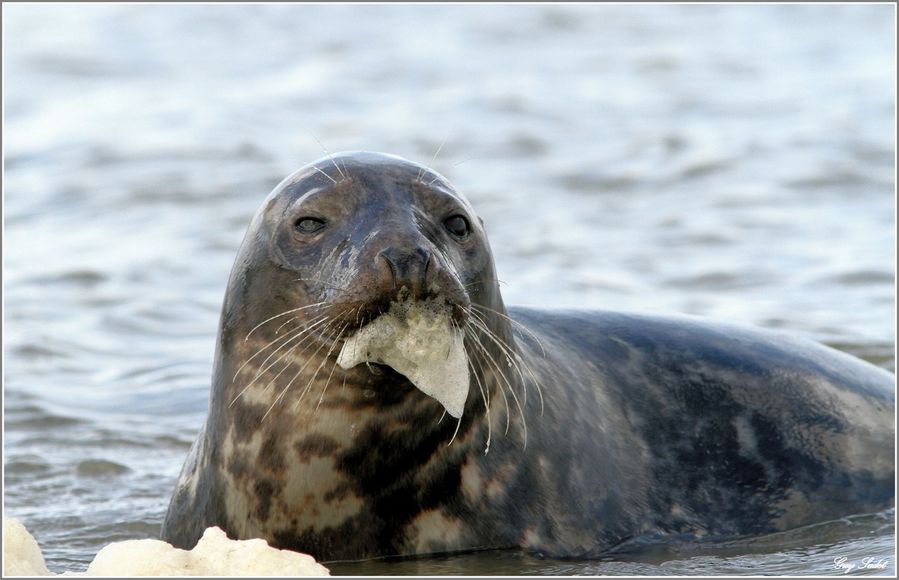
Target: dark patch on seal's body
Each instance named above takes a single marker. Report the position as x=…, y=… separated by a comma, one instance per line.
x=742, y=426
x=647, y=425
x=315, y=446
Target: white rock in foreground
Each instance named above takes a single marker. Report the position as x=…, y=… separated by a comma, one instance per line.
x=214, y=555
x=418, y=341
x=21, y=554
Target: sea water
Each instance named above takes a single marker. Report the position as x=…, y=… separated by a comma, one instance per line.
x=728, y=161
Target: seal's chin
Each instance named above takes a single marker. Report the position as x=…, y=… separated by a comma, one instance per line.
x=418, y=340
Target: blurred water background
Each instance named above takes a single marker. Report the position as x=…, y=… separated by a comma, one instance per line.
x=729, y=161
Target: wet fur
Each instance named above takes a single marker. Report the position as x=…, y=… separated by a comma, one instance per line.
x=641, y=425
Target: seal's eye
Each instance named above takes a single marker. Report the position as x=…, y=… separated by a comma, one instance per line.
x=457, y=225
x=309, y=225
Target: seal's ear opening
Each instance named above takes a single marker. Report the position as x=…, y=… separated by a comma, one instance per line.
x=480, y=219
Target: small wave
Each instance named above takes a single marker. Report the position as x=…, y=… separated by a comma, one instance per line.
x=25, y=467
x=584, y=182
x=864, y=277
x=79, y=278
x=100, y=468
x=718, y=281
x=832, y=179
x=37, y=351
x=703, y=168
x=39, y=420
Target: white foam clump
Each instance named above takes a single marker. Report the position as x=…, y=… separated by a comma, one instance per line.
x=21, y=554
x=419, y=342
x=214, y=555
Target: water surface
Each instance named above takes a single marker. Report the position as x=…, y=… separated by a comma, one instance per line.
x=729, y=161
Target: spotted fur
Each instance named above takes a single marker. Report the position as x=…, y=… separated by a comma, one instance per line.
x=602, y=427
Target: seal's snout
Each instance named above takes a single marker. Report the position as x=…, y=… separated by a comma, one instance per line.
x=406, y=268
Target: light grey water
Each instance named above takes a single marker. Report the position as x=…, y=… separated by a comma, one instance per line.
x=729, y=161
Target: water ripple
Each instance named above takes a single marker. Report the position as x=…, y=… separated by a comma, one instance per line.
x=667, y=158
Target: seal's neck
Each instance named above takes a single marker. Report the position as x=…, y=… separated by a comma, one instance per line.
x=284, y=373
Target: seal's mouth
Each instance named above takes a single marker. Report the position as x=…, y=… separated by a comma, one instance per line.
x=419, y=340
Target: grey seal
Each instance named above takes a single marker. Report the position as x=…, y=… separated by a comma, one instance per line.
x=564, y=432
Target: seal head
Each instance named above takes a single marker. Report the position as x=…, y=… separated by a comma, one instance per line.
x=350, y=238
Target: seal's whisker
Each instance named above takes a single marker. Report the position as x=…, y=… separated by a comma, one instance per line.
x=485, y=310
x=473, y=337
x=513, y=357
x=288, y=362
x=421, y=171
x=515, y=361
x=492, y=360
x=361, y=324
x=285, y=313
x=304, y=339
x=289, y=320
x=280, y=396
x=289, y=351
x=482, y=325
x=306, y=329
x=331, y=157
x=309, y=383
x=513, y=321
x=287, y=337
x=484, y=398
x=456, y=432
x=442, y=415
x=480, y=283
x=489, y=358
x=325, y=174
x=343, y=387
x=337, y=338
x=297, y=352
x=485, y=395
x=327, y=384
x=333, y=367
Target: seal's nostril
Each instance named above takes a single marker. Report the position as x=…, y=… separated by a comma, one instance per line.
x=391, y=266
x=408, y=267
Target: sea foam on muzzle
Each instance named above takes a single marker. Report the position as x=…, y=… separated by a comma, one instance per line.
x=418, y=340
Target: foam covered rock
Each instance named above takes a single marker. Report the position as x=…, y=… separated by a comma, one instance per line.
x=214, y=555
x=418, y=341
x=21, y=554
